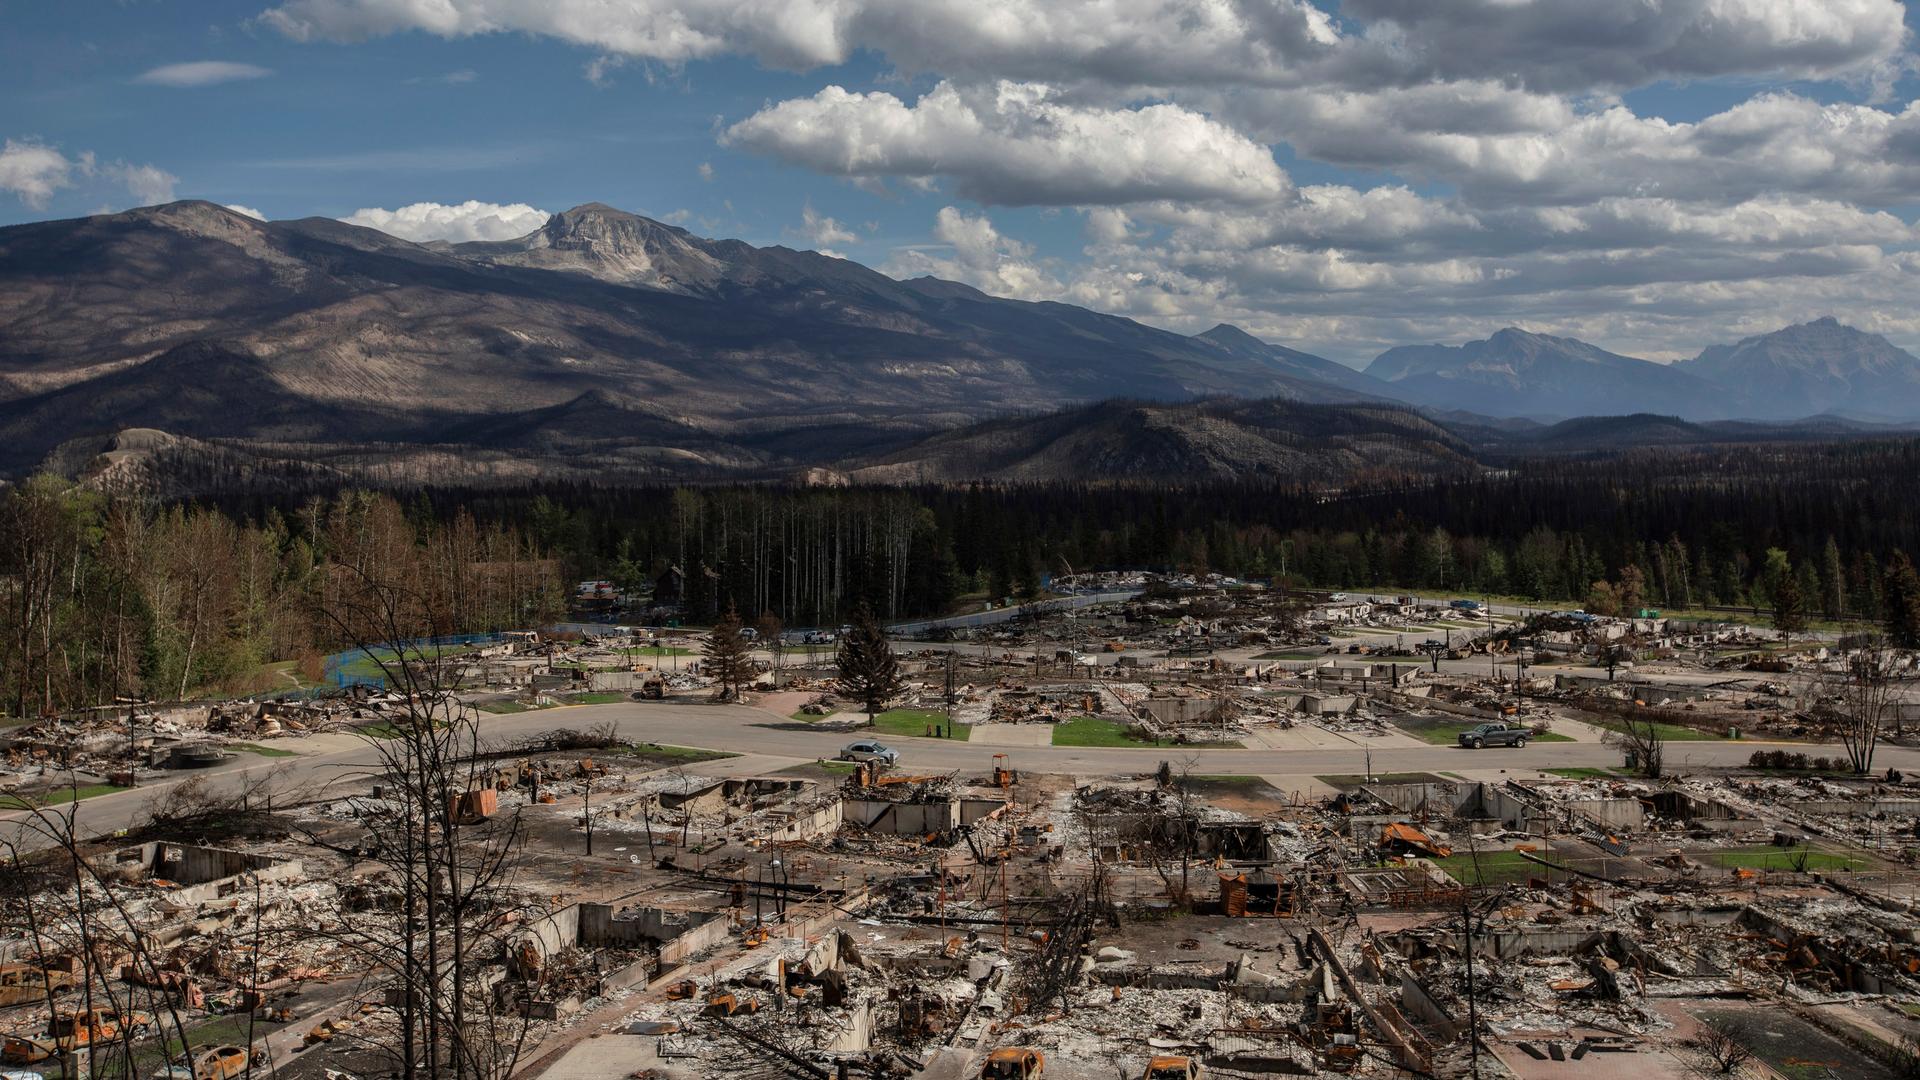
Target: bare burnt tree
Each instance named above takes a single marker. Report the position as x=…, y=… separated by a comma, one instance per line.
x=1640, y=739
x=446, y=856
x=1721, y=1045
x=1863, y=696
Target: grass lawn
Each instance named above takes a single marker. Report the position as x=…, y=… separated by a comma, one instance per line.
x=1768, y=857
x=912, y=724
x=806, y=717
x=1350, y=781
x=1489, y=867
x=56, y=797
x=655, y=651
x=595, y=697
x=1583, y=772
x=1093, y=731
x=1290, y=654
x=1667, y=732
x=263, y=751
x=1447, y=733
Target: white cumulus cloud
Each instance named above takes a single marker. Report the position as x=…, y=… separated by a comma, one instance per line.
x=458, y=223
x=201, y=73
x=33, y=171
x=1016, y=144
x=247, y=211
x=823, y=232
x=973, y=252
x=1545, y=44
x=148, y=184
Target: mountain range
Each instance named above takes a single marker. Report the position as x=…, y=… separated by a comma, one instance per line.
x=608, y=343
x=1801, y=371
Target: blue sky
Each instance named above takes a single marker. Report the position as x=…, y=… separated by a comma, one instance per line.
x=1654, y=177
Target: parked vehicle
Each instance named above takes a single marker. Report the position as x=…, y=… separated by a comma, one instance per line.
x=1464, y=605
x=868, y=750
x=1494, y=734
x=1172, y=1068
x=209, y=1063
x=1014, y=1063
x=70, y=1032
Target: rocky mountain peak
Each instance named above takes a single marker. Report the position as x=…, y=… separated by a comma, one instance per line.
x=600, y=241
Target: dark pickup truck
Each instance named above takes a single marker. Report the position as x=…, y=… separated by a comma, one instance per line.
x=1494, y=735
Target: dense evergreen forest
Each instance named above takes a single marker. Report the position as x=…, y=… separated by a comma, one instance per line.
x=106, y=596
x=1676, y=529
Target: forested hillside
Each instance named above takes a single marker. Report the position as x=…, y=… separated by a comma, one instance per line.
x=105, y=597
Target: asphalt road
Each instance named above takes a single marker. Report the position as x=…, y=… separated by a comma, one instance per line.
x=341, y=761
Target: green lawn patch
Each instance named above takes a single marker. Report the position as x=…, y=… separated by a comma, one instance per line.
x=596, y=697
x=1094, y=731
x=1290, y=654
x=1447, y=732
x=56, y=796
x=913, y=724
x=1667, y=732
x=1350, y=781
x=655, y=651
x=1489, y=867
x=1795, y=859
x=263, y=751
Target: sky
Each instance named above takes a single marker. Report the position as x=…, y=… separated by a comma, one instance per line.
x=1340, y=176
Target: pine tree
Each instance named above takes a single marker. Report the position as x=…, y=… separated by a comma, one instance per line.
x=1833, y=581
x=727, y=662
x=869, y=673
x=1789, y=605
x=1900, y=600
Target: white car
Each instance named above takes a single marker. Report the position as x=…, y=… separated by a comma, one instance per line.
x=868, y=750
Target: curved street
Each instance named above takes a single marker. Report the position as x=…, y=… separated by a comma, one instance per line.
x=766, y=742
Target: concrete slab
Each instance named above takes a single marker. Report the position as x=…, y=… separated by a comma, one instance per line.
x=1302, y=737
x=1301, y=786
x=1311, y=737
x=1011, y=735
x=602, y=1056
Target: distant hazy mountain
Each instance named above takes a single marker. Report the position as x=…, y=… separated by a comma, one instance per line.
x=601, y=329
x=1132, y=442
x=1815, y=367
x=1516, y=373
x=1237, y=342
